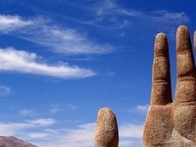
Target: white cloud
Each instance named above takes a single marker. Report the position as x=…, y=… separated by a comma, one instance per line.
x=140, y=109
x=37, y=135
x=71, y=107
x=131, y=130
x=56, y=108
x=130, y=135
x=4, y=90
x=41, y=122
x=82, y=136
x=115, y=16
x=109, y=7
x=68, y=41
x=17, y=129
x=43, y=32
x=9, y=23
x=26, y=62
x=170, y=17
x=26, y=112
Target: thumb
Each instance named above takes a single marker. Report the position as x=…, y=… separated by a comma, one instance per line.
x=107, y=129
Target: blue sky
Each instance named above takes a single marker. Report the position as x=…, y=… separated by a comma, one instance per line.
x=61, y=61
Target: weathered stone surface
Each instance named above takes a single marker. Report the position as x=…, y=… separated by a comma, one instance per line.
x=161, y=83
x=13, y=142
x=107, y=129
x=158, y=125
x=172, y=124
x=184, y=108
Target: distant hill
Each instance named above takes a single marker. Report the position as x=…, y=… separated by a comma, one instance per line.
x=14, y=142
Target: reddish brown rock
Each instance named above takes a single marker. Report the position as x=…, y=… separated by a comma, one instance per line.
x=107, y=129
x=13, y=142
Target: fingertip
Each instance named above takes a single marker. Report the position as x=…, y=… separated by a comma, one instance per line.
x=183, y=42
x=185, y=59
x=182, y=27
x=161, y=34
x=105, y=110
x=182, y=32
x=160, y=37
x=161, y=44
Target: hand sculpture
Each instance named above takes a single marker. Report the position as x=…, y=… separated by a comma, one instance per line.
x=172, y=124
x=168, y=124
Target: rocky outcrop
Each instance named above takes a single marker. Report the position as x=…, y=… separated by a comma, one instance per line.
x=13, y=142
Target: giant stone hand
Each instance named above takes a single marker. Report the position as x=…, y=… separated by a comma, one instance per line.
x=172, y=124
x=168, y=123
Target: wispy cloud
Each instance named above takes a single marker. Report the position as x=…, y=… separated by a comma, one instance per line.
x=131, y=130
x=109, y=13
x=46, y=33
x=55, y=108
x=9, y=23
x=139, y=109
x=142, y=108
x=40, y=135
x=26, y=112
x=109, y=7
x=130, y=135
x=4, y=90
x=16, y=129
x=26, y=62
x=41, y=122
x=169, y=17
x=71, y=107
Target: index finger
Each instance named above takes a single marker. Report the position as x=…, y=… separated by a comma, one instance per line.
x=161, y=82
